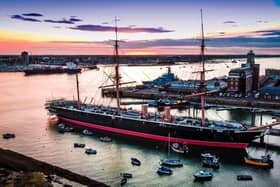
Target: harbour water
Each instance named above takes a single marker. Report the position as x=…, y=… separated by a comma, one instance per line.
x=22, y=112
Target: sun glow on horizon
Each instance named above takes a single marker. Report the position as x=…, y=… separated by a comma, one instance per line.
x=140, y=53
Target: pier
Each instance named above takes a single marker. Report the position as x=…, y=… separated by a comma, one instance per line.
x=155, y=93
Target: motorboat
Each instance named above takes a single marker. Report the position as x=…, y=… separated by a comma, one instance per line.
x=244, y=177
x=208, y=156
x=126, y=175
x=135, y=161
x=8, y=135
x=79, y=145
x=212, y=163
x=180, y=148
x=68, y=129
x=123, y=181
x=203, y=175
x=171, y=162
x=264, y=162
x=105, y=139
x=164, y=170
x=90, y=151
x=87, y=132
x=63, y=128
x=210, y=160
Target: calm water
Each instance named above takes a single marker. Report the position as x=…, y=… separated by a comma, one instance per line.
x=22, y=112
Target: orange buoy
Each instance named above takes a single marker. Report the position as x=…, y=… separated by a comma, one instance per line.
x=53, y=120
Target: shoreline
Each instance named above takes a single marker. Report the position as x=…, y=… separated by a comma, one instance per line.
x=18, y=162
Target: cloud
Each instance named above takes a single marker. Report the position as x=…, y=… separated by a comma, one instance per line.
x=269, y=33
x=22, y=18
x=229, y=22
x=261, y=21
x=224, y=42
x=100, y=28
x=33, y=14
x=59, y=21
x=104, y=23
x=261, y=39
x=71, y=20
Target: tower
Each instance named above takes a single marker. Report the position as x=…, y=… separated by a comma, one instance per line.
x=250, y=59
x=25, y=58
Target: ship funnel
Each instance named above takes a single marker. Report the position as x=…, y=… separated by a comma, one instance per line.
x=167, y=115
x=144, y=112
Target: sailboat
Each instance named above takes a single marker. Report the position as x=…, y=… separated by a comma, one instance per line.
x=172, y=162
x=154, y=127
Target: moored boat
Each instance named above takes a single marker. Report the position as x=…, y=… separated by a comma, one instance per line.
x=210, y=160
x=123, y=181
x=203, y=176
x=263, y=162
x=87, y=132
x=80, y=145
x=90, y=151
x=164, y=170
x=212, y=163
x=171, y=162
x=180, y=148
x=135, y=161
x=105, y=139
x=244, y=177
x=126, y=175
x=8, y=135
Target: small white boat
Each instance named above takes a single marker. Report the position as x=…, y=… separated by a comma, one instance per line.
x=164, y=170
x=123, y=181
x=203, y=176
x=126, y=175
x=180, y=148
x=68, y=129
x=105, y=139
x=87, y=132
x=135, y=162
x=90, y=151
x=171, y=162
x=210, y=160
x=208, y=156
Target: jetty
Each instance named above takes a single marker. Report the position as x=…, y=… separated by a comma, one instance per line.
x=155, y=93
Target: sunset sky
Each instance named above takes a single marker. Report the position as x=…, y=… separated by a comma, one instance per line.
x=145, y=27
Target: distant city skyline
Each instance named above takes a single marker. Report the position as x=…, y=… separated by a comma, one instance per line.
x=145, y=27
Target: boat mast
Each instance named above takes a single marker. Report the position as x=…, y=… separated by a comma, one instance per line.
x=202, y=78
x=78, y=92
x=117, y=64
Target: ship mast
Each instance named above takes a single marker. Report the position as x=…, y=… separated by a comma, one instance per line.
x=202, y=78
x=117, y=64
x=78, y=92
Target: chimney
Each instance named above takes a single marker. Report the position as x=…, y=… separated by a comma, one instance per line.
x=167, y=115
x=144, y=112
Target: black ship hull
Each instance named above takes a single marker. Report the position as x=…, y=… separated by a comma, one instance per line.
x=156, y=130
x=51, y=71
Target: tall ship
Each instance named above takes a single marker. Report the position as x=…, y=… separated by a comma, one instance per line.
x=144, y=125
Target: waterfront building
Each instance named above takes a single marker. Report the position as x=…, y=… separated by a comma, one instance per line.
x=245, y=78
x=25, y=58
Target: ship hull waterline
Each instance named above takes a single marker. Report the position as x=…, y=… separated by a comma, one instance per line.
x=158, y=138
